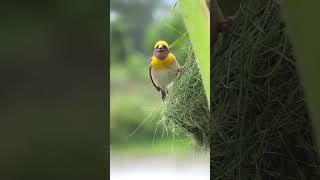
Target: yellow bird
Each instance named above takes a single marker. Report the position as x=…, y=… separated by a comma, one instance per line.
x=163, y=68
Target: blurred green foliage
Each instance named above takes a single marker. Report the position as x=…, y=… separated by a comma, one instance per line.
x=136, y=16
x=53, y=81
x=300, y=15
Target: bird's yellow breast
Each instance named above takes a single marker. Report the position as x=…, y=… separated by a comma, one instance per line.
x=165, y=63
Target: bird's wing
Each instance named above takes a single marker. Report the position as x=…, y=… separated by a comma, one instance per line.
x=158, y=89
x=176, y=63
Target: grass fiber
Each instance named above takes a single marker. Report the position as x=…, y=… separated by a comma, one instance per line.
x=260, y=128
x=186, y=110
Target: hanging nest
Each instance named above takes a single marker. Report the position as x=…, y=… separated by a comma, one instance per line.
x=260, y=128
x=186, y=109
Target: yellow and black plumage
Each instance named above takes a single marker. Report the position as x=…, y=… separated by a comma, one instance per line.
x=163, y=68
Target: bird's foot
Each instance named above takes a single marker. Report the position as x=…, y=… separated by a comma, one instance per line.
x=179, y=69
x=225, y=24
x=163, y=95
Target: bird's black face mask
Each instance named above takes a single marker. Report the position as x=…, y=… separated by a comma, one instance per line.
x=161, y=52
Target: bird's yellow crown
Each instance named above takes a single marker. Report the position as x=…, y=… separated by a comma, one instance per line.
x=163, y=43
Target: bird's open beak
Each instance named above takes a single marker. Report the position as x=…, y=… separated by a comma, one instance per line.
x=161, y=48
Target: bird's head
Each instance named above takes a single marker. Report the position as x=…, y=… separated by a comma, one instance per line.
x=161, y=50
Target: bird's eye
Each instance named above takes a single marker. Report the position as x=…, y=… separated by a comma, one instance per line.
x=161, y=46
x=165, y=47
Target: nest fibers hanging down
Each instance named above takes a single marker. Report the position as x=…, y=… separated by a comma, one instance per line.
x=186, y=109
x=260, y=127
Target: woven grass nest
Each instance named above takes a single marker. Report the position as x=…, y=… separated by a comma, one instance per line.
x=186, y=107
x=260, y=127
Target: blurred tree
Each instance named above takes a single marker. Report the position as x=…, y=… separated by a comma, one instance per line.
x=119, y=41
x=137, y=15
